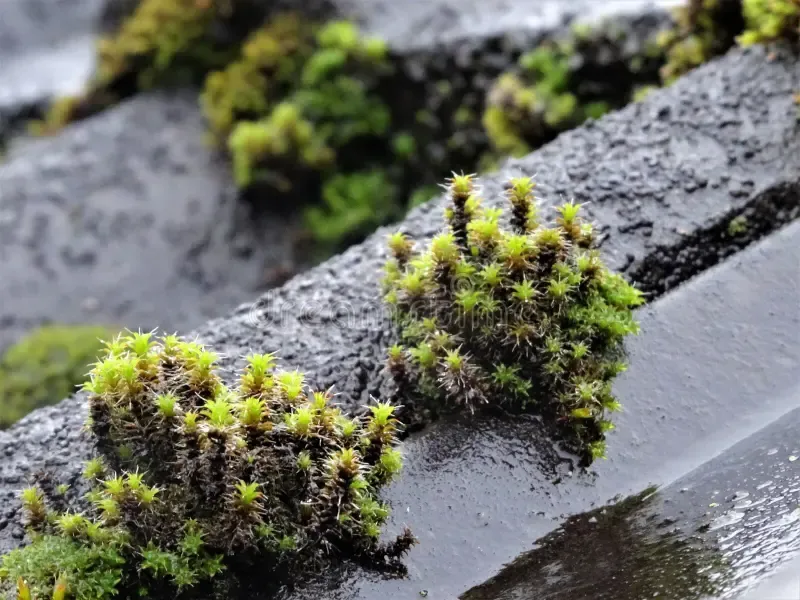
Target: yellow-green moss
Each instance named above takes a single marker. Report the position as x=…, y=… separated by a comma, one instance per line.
x=45, y=367
x=160, y=37
x=255, y=480
x=703, y=29
x=297, y=94
x=770, y=21
x=164, y=42
x=269, y=62
x=558, y=85
x=353, y=203
x=524, y=316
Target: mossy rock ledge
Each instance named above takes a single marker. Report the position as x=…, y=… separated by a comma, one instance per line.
x=661, y=180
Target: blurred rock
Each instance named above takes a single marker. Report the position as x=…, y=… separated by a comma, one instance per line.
x=128, y=219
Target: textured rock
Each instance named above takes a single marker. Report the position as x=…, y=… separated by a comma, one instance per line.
x=128, y=219
x=663, y=180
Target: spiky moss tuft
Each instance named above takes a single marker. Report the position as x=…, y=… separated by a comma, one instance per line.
x=771, y=21
x=560, y=84
x=46, y=366
x=196, y=478
x=528, y=317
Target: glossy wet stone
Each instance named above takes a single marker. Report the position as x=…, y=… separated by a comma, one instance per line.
x=715, y=533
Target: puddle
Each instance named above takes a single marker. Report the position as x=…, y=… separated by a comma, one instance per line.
x=619, y=552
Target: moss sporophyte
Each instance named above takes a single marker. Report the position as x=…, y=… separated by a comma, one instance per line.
x=195, y=480
x=527, y=316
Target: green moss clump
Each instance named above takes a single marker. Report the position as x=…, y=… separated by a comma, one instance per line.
x=264, y=73
x=300, y=114
x=352, y=204
x=562, y=83
x=528, y=317
x=162, y=38
x=703, y=29
x=738, y=226
x=770, y=21
x=164, y=42
x=197, y=478
x=299, y=94
x=517, y=112
x=45, y=367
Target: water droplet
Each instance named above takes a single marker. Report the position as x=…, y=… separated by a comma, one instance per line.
x=772, y=451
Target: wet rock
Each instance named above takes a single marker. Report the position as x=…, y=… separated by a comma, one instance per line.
x=128, y=219
x=650, y=545
x=693, y=378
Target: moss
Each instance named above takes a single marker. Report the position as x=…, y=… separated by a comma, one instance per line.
x=89, y=571
x=560, y=84
x=738, y=226
x=528, y=317
x=352, y=204
x=770, y=21
x=45, y=367
x=703, y=29
x=290, y=111
x=261, y=478
x=263, y=74
x=164, y=42
x=162, y=39
x=326, y=94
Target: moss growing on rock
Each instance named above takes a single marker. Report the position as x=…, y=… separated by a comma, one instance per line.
x=528, y=317
x=164, y=42
x=353, y=204
x=771, y=21
x=196, y=478
x=296, y=110
x=703, y=29
x=560, y=84
x=45, y=367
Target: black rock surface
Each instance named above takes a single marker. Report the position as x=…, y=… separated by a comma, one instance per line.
x=662, y=179
x=128, y=219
